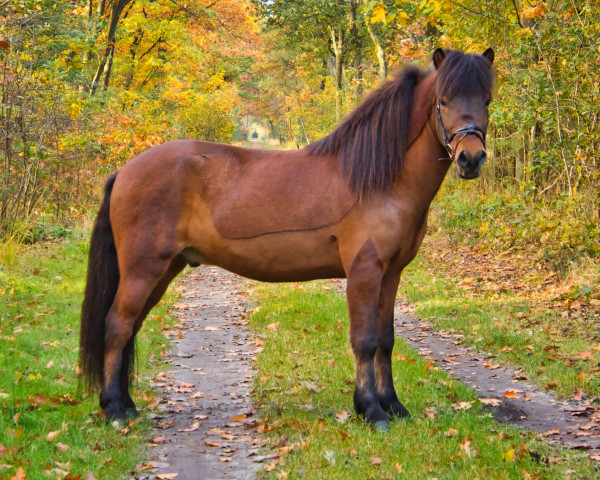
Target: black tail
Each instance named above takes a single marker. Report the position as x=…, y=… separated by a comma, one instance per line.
x=100, y=291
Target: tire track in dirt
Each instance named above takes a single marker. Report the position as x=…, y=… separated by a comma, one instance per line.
x=569, y=423
x=205, y=425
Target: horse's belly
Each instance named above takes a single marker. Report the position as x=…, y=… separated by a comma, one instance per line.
x=280, y=257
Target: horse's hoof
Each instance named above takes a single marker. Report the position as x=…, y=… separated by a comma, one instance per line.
x=399, y=411
x=382, y=426
x=118, y=423
x=131, y=413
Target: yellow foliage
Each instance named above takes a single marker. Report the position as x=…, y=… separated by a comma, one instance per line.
x=536, y=11
x=378, y=14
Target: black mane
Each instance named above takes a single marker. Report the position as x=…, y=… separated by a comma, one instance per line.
x=371, y=141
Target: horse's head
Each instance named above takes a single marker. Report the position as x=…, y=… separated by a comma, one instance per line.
x=463, y=94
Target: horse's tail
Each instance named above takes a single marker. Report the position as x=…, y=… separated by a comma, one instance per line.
x=100, y=291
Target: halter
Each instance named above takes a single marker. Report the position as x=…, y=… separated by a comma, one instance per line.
x=464, y=131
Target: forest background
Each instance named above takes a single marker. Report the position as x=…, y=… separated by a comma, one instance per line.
x=86, y=85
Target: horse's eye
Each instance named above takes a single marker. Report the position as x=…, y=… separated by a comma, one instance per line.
x=443, y=102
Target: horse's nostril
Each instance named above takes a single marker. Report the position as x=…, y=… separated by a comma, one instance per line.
x=463, y=158
x=481, y=157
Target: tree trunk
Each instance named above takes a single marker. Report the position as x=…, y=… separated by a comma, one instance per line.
x=357, y=45
x=337, y=51
x=116, y=9
x=379, y=50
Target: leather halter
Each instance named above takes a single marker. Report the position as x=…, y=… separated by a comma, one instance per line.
x=464, y=132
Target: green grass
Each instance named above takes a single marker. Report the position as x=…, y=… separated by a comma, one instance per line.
x=304, y=386
x=40, y=298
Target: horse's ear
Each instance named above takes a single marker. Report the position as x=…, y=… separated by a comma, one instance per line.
x=438, y=57
x=489, y=54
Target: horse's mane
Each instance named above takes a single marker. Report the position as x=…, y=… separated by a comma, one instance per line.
x=370, y=143
x=372, y=140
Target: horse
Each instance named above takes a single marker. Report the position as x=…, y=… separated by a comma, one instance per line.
x=353, y=205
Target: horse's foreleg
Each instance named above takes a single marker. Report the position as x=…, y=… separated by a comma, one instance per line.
x=384, y=381
x=364, y=281
x=135, y=288
x=177, y=265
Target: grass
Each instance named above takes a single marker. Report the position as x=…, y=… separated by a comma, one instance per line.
x=304, y=389
x=48, y=425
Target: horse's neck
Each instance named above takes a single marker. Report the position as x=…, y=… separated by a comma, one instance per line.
x=422, y=171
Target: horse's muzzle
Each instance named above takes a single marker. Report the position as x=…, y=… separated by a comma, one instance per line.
x=469, y=166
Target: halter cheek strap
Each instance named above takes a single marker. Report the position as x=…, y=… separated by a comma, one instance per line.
x=461, y=133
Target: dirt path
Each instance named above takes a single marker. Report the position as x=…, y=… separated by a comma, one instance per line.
x=204, y=428
x=575, y=424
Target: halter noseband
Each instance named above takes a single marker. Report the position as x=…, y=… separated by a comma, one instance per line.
x=464, y=131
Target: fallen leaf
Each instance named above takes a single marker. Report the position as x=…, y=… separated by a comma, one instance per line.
x=584, y=356
x=491, y=366
x=20, y=474
x=594, y=458
x=375, y=461
x=192, y=428
x=462, y=405
x=166, y=476
x=343, y=416
x=239, y=418
x=345, y=434
x=159, y=439
x=212, y=444
x=70, y=476
x=467, y=281
x=512, y=394
x=428, y=365
x=490, y=402
x=552, y=384
x=61, y=447
x=3, y=450
x=90, y=476
x=52, y=436
x=509, y=456
x=452, y=432
x=549, y=433
x=197, y=395
x=578, y=395
x=431, y=413
x=273, y=326
x=398, y=468
x=466, y=448
x=224, y=459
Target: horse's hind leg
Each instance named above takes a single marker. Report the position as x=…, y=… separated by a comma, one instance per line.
x=137, y=283
x=384, y=381
x=177, y=265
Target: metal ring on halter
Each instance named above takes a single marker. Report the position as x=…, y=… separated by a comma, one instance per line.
x=464, y=131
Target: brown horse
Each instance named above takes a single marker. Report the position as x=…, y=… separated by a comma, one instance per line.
x=354, y=204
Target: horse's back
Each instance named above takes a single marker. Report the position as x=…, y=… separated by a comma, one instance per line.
x=247, y=192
